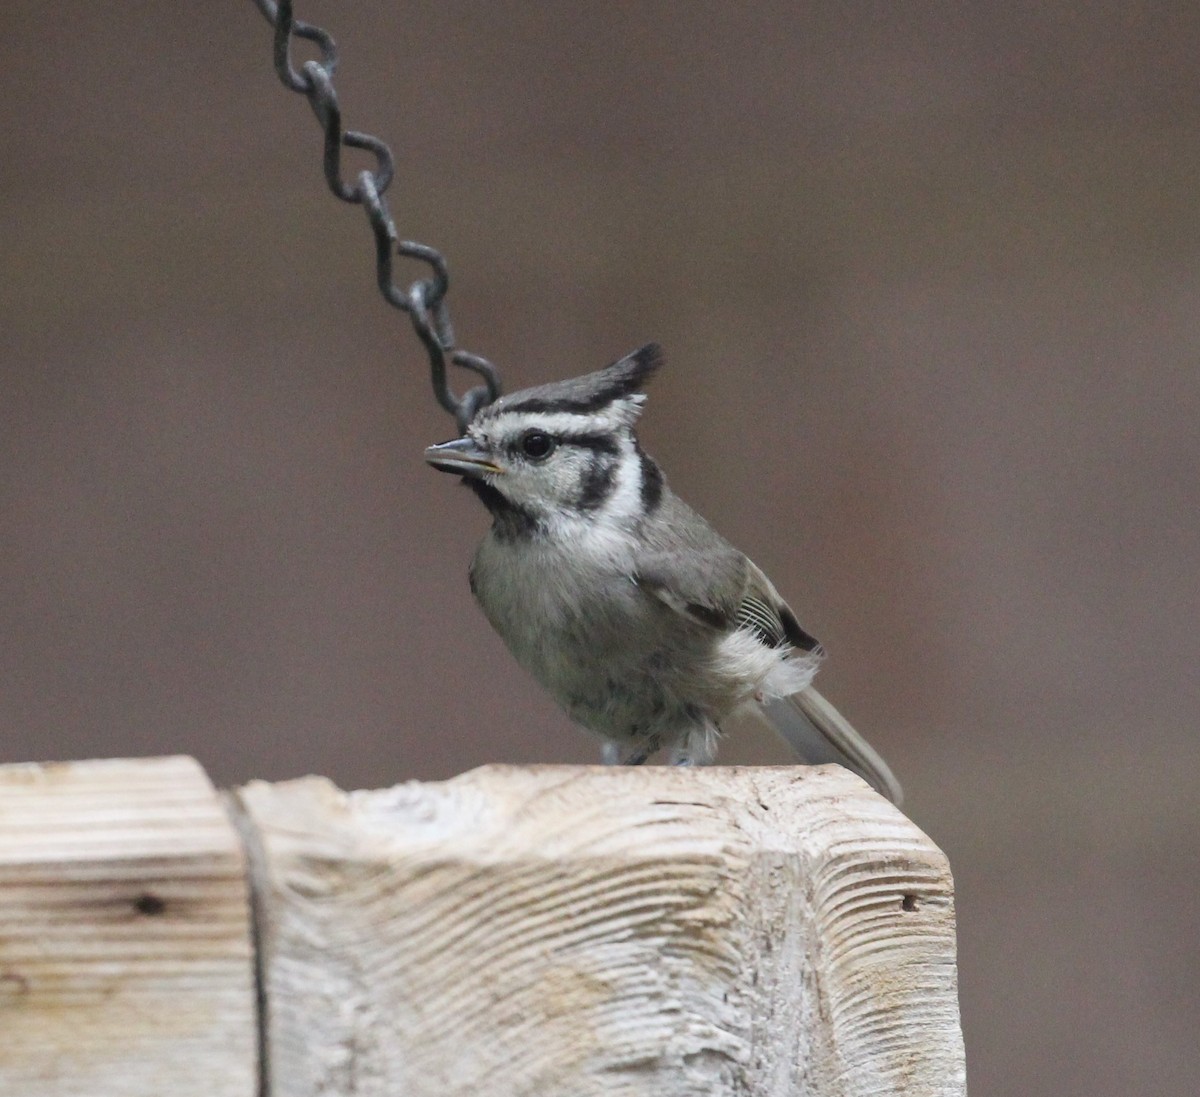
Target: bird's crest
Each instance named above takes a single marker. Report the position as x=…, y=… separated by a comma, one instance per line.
x=620, y=381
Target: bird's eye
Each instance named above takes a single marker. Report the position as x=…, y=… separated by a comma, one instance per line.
x=536, y=444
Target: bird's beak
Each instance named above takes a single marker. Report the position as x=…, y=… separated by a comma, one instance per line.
x=462, y=455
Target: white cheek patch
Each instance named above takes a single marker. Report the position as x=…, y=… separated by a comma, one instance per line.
x=544, y=487
x=624, y=504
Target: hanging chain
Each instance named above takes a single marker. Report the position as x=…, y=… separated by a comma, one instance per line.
x=425, y=299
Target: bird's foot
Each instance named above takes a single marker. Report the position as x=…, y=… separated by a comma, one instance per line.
x=639, y=756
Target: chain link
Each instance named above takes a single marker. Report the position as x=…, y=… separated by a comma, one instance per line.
x=424, y=299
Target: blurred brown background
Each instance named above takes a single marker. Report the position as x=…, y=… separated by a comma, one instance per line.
x=928, y=278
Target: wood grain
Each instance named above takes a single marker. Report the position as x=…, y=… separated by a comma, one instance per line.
x=125, y=956
x=579, y=931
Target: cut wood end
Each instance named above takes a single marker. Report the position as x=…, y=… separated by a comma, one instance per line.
x=724, y=929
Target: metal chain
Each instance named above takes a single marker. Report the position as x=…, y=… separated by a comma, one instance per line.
x=425, y=299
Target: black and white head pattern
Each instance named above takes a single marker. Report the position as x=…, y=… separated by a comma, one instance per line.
x=569, y=452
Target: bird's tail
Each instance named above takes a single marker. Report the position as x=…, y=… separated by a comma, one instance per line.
x=818, y=733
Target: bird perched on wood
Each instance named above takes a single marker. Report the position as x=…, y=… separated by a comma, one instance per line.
x=644, y=623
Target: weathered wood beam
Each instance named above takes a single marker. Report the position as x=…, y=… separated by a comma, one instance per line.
x=578, y=931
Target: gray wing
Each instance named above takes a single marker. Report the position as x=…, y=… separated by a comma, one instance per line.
x=770, y=616
x=690, y=567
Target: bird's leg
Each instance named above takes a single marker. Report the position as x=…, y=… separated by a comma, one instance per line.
x=696, y=747
x=639, y=756
x=610, y=753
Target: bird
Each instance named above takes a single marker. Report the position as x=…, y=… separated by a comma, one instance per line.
x=647, y=626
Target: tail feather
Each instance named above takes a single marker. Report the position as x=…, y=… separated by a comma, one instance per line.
x=818, y=733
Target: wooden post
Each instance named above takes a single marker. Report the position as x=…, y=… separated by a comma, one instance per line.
x=579, y=931
x=125, y=958
x=542, y=932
